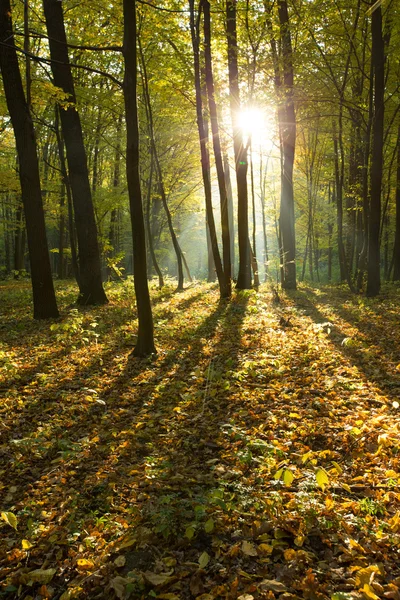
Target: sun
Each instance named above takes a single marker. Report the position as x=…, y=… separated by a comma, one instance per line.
x=251, y=121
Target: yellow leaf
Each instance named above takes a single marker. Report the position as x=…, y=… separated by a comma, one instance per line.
x=363, y=576
x=10, y=519
x=26, y=545
x=288, y=477
x=322, y=478
x=289, y=554
x=249, y=549
x=369, y=592
x=204, y=560
x=265, y=549
x=337, y=467
x=84, y=564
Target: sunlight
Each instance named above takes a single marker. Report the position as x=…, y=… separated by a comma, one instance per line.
x=252, y=122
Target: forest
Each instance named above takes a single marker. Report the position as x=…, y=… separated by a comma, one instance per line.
x=200, y=299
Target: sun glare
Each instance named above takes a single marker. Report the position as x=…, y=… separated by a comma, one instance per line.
x=252, y=122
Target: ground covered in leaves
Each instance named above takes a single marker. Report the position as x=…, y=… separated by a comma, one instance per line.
x=255, y=457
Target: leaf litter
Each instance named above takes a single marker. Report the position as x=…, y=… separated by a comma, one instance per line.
x=256, y=456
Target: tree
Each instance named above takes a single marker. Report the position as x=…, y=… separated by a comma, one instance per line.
x=287, y=127
x=44, y=300
x=145, y=340
x=240, y=150
x=90, y=284
x=378, y=59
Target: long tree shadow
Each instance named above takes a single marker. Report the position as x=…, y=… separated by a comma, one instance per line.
x=375, y=351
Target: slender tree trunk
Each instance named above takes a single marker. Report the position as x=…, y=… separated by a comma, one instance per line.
x=205, y=159
x=61, y=233
x=378, y=57
x=19, y=242
x=44, y=300
x=288, y=141
x=149, y=233
x=145, y=341
x=149, y=114
x=226, y=247
x=65, y=178
x=396, y=250
x=90, y=283
x=240, y=151
x=254, y=263
x=229, y=196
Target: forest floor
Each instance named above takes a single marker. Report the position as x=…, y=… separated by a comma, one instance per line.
x=257, y=456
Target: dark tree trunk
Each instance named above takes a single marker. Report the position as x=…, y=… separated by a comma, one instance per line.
x=145, y=341
x=396, y=250
x=90, y=283
x=378, y=58
x=44, y=300
x=288, y=141
x=65, y=178
x=61, y=233
x=240, y=151
x=226, y=247
x=205, y=159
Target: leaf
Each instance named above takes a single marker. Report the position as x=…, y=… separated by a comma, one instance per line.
x=288, y=477
x=190, y=531
x=119, y=586
x=272, y=585
x=341, y=596
x=10, y=519
x=157, y=579
x=337, y=467
x=278, y=474
x=42, y=576
x=368, y=591
x=120, y=561
x=249, y=549
x=209, y=526
x=204, y=560
x=265, y=549
x=84, y=564
x=322, y=478
x=363, y=576
x=26, y=545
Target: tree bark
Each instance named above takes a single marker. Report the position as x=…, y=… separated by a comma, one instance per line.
x=396, y=250
x=378, y=58
x=226, y=247
x=90, y=282
x=288, y=142
x=44, y=300
x=145, y=340
x=240, y=151
x=205, y=159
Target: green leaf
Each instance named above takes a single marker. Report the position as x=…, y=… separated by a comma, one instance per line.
x=337, y=467
x=322, y=478
x=278, y=474
x=209, y=525
x=189, y=533
x=10, y=519
x=204, y=560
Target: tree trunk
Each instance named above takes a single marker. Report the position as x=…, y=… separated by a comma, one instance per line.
x=90, y=283
x=149, y=114
x=396, y=250
x=145, y=340
x=226, y=247
x=288, y=141
x=229, y=196
x=44, y=300
x=240, y=151
x=378, y=57
x=205, y=159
